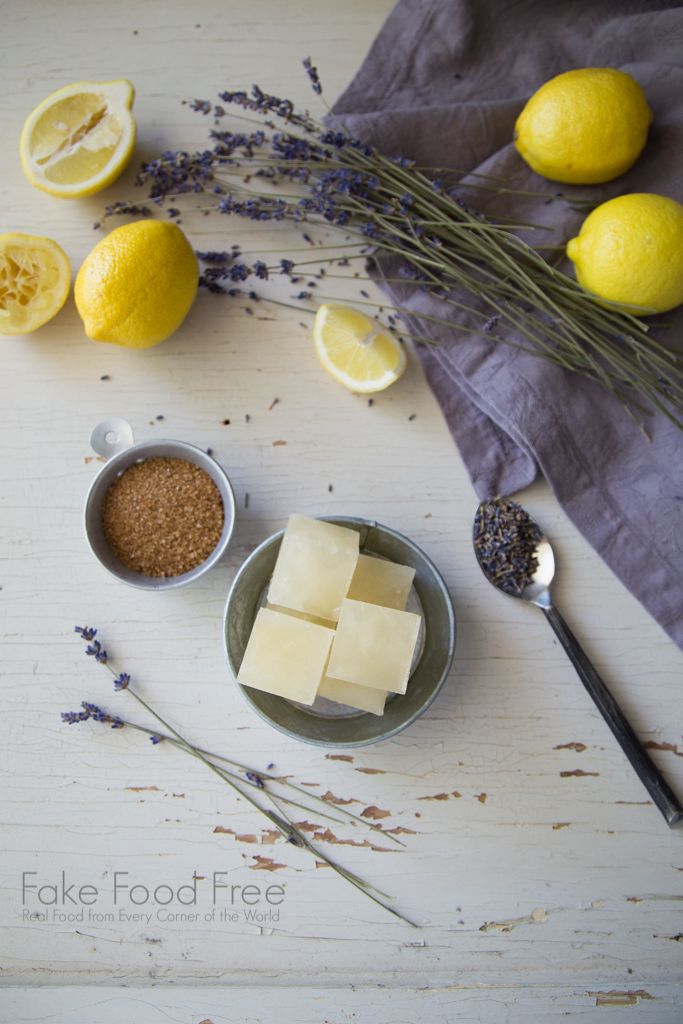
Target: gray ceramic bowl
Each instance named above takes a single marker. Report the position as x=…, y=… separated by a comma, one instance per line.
x=325, y=723
x=122, y=457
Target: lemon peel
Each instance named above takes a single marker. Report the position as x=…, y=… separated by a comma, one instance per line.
x=630, y=251
x=584, y=126
x=79, y=139
x=353, y=349
x=35, y=277
x=137, y=285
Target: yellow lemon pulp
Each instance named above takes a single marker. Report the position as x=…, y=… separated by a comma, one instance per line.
x=584, y=126
x=137, y=285
x=630, y=250
x=77, y=141
x=35, y=277
x=355, y=351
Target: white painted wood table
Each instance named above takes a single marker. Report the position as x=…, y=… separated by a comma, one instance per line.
x=544, y=882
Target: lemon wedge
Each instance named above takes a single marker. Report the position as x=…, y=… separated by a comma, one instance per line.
x=354, y=350
x=35, y=276
x=78, y=140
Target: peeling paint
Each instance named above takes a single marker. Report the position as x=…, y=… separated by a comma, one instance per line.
x=616, y=998
x=561, y=824
x=306, y=826
x=371, y=771
x=222, y=828
x=328, y=836
x=249, y=838
x=578, y=772
x=265, y=864
x=375, y=813
x=481, y=797
x=400, y=830
x=437, y=796
x=269, y=835
x=578, y=747
x=141, y=789
x=673, y=747
x=634, y=899
x=332, y=799
x=537, y=916
x=339, y=757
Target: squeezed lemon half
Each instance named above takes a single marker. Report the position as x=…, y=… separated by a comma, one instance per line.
x=354, y=350
x=80, y=139
x=35, y=277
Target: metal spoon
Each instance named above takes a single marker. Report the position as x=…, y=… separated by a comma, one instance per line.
x=516, y=557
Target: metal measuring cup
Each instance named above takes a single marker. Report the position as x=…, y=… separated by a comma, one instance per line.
x=113, y=440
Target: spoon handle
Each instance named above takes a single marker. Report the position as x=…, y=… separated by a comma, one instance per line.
x=654, y=782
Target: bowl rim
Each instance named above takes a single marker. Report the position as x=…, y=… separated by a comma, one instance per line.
x=364, y=527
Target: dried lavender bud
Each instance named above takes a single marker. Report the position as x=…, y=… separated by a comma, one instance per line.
x=91, y=711
x=505, y=538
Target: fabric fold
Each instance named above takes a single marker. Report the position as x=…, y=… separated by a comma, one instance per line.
x=442, y=85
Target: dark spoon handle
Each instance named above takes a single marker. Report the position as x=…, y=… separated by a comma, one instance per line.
x=654, y=782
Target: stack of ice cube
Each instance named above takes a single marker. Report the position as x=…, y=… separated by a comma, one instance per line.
x=335, y=624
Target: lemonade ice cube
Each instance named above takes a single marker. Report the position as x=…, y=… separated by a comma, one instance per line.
x=378, y=581
x=365, y=698
x=373, y=646
x=314, y=567
x=286, y=656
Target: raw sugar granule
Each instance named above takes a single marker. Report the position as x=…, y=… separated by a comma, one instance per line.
x=163, y=516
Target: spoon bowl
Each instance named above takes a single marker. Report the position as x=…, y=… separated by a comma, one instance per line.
x=516, y=557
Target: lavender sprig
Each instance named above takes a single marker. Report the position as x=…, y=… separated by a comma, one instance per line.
x=254, y=780
x=447, y=248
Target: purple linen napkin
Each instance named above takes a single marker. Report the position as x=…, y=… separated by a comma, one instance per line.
x=443, y=84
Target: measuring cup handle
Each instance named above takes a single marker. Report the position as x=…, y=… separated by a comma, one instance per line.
x=653, y=780
x=111, y=437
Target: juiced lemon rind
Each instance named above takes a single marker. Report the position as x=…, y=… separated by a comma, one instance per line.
x=35, y=277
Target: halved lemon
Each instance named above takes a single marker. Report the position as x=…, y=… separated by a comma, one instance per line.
x=355, y=351
x=78, y=140
x=35, y=276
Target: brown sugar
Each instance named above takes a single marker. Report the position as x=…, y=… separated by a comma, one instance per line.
x=163, y=516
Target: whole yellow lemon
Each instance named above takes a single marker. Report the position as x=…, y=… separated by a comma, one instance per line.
x=137, y=285
x=584, y=127
x=630, y=250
